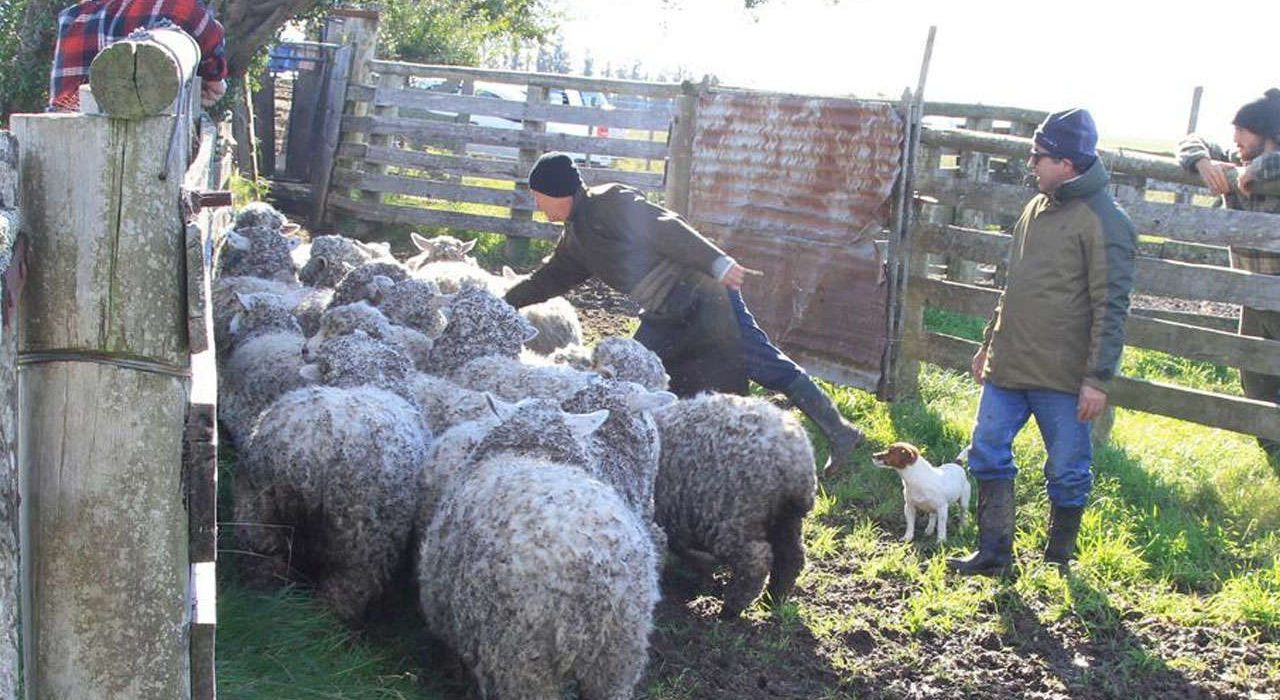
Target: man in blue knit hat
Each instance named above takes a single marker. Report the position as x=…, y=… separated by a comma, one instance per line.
x=1053, y=343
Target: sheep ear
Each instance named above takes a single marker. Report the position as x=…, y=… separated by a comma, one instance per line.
x=238, y=241
x=290, y=228
x=466, y=247
x=584, y=424
x=650, y=400
x=246, y=300
x=422, y=243
x=605, y=371
x=529, y=331
x=500, y=408
x=234, y=326
x=310, y=373
x=508, y=273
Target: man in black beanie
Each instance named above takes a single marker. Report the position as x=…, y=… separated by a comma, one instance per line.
x=1248, y=178
x=692, y=314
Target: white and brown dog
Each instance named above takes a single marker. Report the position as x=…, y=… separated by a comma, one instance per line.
x=926, y=487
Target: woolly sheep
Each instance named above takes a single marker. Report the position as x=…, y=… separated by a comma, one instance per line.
x=556, y=319
x=511, y=379
x=328, y=477
x=262, y=363
x=255, y=214
x=366, y=281
x=416, y=304
x=307, y=303
x=735, y=481
x=626, y=359
x=439, y=248
x=357, y=359
x=443, y=403
x=537, y=575
x=452, y=276
x=479, y=324
x=257, y=251
x=331, y=257
x=360, y=316
x=625, y=450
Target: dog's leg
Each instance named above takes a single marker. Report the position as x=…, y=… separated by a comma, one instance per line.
x=964, y=502
x=941, y=515
x=909, y=511
x=933, y=523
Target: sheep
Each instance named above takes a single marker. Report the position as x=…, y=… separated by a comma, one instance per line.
x=257, y=251
x=357, y=359
x=255, y=214
x=343, y=320
x=416, y=304
x=625, y=450
x=331, y=257
x=439, y=248
x=536, y=574
x=511, y=379
x=443, y=403
x=263, y=362
x=626, y=359
x=367, y=281
x=575, y=356
x=307, y=303
x=735, y=480
x=337, y=466
x=479, y=324
x=452, y=276
x=557, y=323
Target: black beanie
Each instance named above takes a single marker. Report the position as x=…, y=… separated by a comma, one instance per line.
x=555, y=175
x=1262, y=116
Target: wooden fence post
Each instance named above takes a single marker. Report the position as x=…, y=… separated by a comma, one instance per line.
x=104, y=373
x=973, y=166
x=10, y=561
x=680, y=156
x=358, y=28
x=517, y=248
x=332, y=104
x=911, y=350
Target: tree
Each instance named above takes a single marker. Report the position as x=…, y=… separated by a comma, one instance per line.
x=452, y=32
x=25, y=63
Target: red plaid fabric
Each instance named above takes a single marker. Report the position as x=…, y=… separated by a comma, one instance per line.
x=85, y=28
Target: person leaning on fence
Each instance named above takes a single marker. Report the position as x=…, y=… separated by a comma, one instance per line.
x=87, y=27
x=693, y=314
x=1248, y=178
x=1053, y=342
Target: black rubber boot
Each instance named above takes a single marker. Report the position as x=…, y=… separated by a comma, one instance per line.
x=1064, y=525
x=842, y=437
x=995, y=532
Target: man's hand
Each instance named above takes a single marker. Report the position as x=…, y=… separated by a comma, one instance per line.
x=211, y=91
x=1091, y=404
x=1246, y=180
x=736, y=274
x=979, y=361
x=1214, y=174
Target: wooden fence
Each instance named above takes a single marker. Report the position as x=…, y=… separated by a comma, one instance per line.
x=449, y=146
x=966, y=181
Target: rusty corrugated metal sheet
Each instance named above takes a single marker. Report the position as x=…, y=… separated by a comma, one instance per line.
x=798, y=187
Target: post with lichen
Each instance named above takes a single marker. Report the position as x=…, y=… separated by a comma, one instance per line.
x=103, y=375
x=9, y=554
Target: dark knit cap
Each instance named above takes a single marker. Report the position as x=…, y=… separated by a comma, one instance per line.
x=1069, y=134
x=555, y=175
x=1262, y=116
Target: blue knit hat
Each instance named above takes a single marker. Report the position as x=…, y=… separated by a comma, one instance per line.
x=1070, y=134
x=555, y=175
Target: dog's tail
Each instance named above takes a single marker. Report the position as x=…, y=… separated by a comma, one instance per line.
x=963, y=458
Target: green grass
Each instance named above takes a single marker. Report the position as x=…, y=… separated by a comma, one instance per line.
x=1183, y=528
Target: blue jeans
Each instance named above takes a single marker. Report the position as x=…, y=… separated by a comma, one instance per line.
x=766, y=364
x=1003, y=412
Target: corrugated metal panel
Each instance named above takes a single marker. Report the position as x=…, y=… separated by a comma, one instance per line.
x=798, y=187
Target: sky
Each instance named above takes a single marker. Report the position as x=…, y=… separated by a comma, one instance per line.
x=1133, y=64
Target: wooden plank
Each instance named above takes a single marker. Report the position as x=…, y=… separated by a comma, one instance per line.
x=654, y=119
x=392, y=214
x=10, y=546
x=1206, y=283
x=1217, y=323
x=989, y=247
x=957, y=297
x=547, y=80
x=332, y=104
x=680, y=163
x=422, y=187
x=1117, y=160
x=1220, y=347
x=1185, y=222
x=432, y=162
x=959, y=110
x=1215, y=410
x=442, y=132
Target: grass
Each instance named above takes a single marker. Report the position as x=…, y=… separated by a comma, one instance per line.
x=1183, y=529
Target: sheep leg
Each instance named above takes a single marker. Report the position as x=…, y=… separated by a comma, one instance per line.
x=750, y=568
x=788, y=556
x=348, y=591
x=262, y=533
x=614, y=677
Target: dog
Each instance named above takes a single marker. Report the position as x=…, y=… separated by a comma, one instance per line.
x=926, y=487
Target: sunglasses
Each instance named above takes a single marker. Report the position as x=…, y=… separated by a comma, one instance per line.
x=1036, y=156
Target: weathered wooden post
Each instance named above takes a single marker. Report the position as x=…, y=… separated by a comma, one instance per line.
x=517, y=248
x=146, y=73
x=680, y=139
x=10, y=561
x=359, y=29
x=104, y=373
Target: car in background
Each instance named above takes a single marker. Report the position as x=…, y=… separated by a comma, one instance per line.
x=517, y=93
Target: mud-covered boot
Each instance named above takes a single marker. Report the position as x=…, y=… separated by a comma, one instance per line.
x=995, y=532
x=1064, y=525
x=842, y=437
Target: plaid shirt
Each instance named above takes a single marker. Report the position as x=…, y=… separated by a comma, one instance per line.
x=1266, y=168
x=87, y=27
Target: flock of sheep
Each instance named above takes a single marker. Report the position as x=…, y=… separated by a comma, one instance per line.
x=396, y=417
